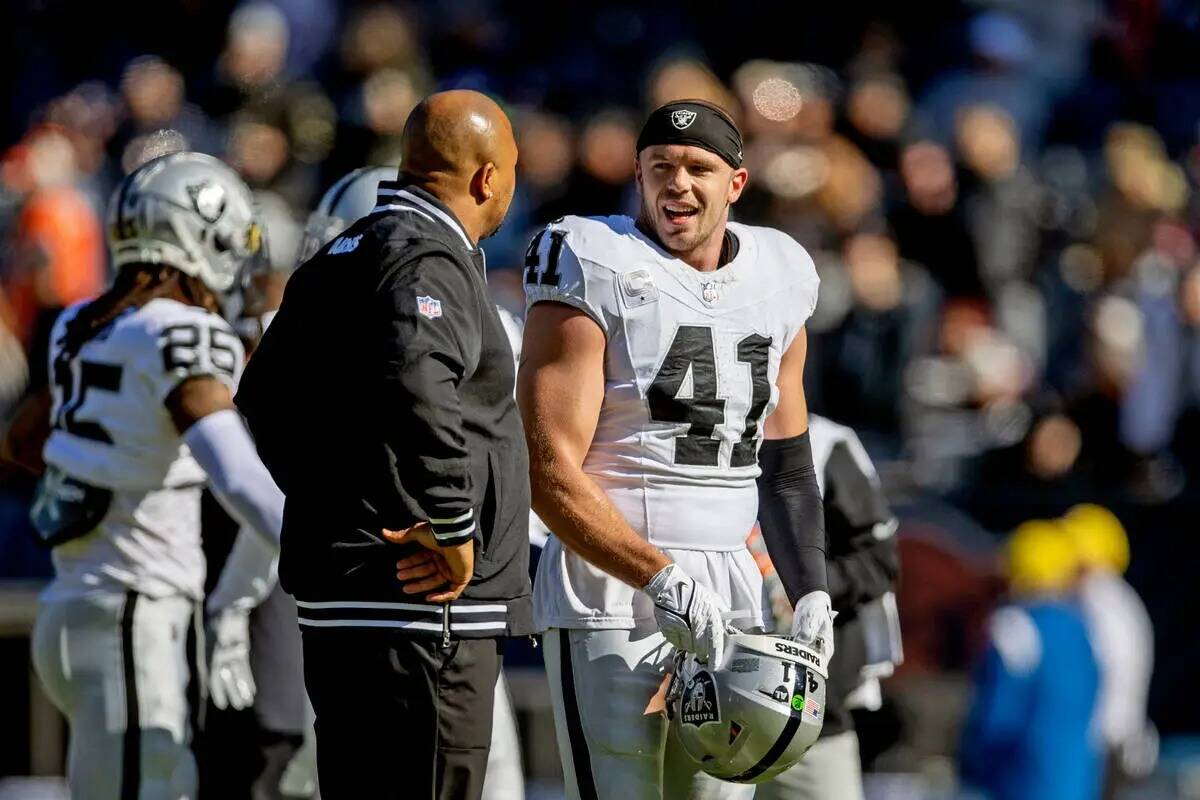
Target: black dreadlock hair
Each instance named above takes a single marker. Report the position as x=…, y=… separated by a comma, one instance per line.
x=134, y=286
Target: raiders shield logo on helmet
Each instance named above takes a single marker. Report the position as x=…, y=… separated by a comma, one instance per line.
x=208, y=200
x=682, y=118
x=700, y=701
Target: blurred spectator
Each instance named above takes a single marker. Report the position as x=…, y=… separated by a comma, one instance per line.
x=1143, y=185
x=381, y=37
x=1115, y=354
x=1002, y=56
x=965, y=398
x=154, y=96
x=687, y=78
x=255, y=53
x=876, y=113
x=312, y=29
x=383, y=76
x=57, y=255
x=929, y=224
x=1027, y=736
x=256, y=99
x=547, y=156
x=1123, y=640
x=88, y=115
x=875, y=315
x=1001, y=205
x=547, y=147
x=601, y=182
x=1002, y=198
x=258, y=150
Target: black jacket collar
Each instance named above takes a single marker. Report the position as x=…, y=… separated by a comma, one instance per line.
x=393, y=194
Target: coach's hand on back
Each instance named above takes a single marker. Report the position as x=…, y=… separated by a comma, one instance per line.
x=443, y=571
x=688, y=614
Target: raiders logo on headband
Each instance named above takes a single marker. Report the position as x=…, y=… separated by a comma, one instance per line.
x=693, y=123
x=682, y=118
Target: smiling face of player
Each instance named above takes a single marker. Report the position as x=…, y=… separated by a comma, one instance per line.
x=686, y=192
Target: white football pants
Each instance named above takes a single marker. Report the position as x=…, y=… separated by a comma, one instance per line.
x=504, y=779
x=830, y=770
x=118, y=667
x=611, y=745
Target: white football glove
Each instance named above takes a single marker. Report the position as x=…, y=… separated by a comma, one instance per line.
x=812, y=622
x=688, y=615
x=230, y=681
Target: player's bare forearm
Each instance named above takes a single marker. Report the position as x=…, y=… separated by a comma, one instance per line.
x=27, y=434
x=579, y=513
x=560, y=388
x=790, y=417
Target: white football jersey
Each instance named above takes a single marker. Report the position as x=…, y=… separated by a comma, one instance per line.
x=691, y=364
x=111, y=429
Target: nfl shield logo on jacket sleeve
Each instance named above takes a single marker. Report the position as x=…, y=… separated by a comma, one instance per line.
x=428, y=307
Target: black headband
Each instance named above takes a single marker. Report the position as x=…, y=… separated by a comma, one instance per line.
x=698, y=124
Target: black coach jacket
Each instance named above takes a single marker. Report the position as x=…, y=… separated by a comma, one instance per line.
x=382, y=395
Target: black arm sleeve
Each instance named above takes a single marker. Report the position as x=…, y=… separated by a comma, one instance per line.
x=863, y=561
x=791, y=516
x=430, y=326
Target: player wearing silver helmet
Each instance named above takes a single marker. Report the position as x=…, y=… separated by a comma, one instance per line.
x=138, y=417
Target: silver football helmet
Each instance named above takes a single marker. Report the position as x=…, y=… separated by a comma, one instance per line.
x=351, y=198
x=754, y=715
x=189, y=211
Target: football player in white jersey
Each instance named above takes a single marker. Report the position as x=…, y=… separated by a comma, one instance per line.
x=141, y=415
x=658, y=355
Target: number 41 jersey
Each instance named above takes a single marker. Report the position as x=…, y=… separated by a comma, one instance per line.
x=111, y=429
x=691, y=365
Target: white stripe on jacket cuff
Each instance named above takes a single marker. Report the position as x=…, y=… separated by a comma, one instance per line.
x=452, y=520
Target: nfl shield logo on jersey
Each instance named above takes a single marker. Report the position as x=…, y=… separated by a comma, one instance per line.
x=710, y=292
x=428, y=307
x=682, y=118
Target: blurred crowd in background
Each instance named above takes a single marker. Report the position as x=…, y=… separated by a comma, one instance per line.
x=1000, y=196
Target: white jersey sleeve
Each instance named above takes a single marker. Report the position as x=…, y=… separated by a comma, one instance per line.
x=189, y=342
x=795, y=275
x=555, y=272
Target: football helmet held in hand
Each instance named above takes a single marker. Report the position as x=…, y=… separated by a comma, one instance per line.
x=756, y=713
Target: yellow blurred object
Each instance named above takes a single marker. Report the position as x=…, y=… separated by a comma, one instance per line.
x=1041, y=557
x=1098, y=536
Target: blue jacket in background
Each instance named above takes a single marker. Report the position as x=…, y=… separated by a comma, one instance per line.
x=1028, y=735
